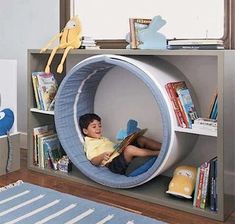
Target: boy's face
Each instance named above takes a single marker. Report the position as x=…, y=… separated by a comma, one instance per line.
x=93, y=130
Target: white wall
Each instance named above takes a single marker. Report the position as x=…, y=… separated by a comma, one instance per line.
x=8, y=88
x=25, y=24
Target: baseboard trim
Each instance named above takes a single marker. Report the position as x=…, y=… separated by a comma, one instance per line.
x=23, y=140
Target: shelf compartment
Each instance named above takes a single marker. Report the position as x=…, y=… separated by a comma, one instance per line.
x=35, y=110
x=197, y=131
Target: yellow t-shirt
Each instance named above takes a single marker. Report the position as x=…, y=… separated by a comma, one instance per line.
x=96, y=146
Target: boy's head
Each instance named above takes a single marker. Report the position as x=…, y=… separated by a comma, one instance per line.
x=90, y=125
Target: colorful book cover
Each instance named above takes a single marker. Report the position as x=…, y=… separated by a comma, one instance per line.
x=47, y=87
x=52, y=150
x=187, y=103
x=196, y=187
x=35, y=89
x=36, y=132
x=181, y=118
x=204, y=197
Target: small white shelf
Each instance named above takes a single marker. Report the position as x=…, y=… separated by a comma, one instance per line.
x=35, y=110
x=197, y=131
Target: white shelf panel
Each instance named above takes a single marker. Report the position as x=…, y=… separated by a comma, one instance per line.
x=35, y=110
x=197, y=131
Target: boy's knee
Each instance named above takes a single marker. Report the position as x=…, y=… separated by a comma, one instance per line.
x=129, y=149
x=141, y=141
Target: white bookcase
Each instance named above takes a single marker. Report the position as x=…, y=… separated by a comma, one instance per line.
x=206, y=70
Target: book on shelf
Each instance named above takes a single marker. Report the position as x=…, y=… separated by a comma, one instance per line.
x=213, y=184
x=213, y=108
x=196, y=187
x=137, y=24
x=187, y=104
x=181, y=117
x=203, y=187
x=43, y=157
x=36, y=132
x=198, y=42
x=45, y=88
x=205, y=124
x=182, y=102
x=36, y=90
x=90, y=47
x=195, y=47
x=213, y=113
x=52, y=151
x=88, y=43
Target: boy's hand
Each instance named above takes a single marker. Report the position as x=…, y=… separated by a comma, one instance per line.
x=106, y=156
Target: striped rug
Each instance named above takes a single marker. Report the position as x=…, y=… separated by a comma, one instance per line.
x=30, y=204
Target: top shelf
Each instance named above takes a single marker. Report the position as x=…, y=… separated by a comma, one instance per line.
x=137, y=52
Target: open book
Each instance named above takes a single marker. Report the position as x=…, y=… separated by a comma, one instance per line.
x=128, y=140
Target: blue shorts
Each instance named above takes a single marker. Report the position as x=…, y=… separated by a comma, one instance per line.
x=118, y=164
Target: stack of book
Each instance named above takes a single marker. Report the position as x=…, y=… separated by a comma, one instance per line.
x=198, y=44
x=45, y=88
x=205, y=192
x=137, y=24
x=182, y=103
x=47, y=148
x=205, y=124
x=88, y=43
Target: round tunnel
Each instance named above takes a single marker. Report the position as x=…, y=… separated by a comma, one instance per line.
x=76, y=96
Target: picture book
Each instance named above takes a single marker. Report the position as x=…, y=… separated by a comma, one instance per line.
x=205, y=186
x=137, y=24
x=41, y=138
x=45, y=88
x=182, y=103
x=188, y=106
x=37, y=131
x=119, y=147
x=52, y=151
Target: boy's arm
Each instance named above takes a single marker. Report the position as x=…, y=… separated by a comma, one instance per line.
x=98, y=159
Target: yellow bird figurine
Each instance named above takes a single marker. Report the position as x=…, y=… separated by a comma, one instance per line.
x=70, y=38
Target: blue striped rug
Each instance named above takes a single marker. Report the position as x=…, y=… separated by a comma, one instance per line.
x=27, y=204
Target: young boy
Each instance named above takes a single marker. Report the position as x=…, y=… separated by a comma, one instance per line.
x=100, y=150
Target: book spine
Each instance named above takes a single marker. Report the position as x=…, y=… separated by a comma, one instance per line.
x=176, y=108
x=205, y=185
x=35, y=88
x=216, y=189
x=212, y=186
x=196, y=187
x=199, y=193
x=176, y=86
x=215, y=109
x=212, y=103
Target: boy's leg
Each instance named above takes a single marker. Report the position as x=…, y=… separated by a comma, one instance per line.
x=132, y=151
x=148, y=143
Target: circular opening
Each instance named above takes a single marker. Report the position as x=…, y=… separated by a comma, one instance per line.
x=78, y=93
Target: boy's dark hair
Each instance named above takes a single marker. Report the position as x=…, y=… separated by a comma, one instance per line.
x=86, y=119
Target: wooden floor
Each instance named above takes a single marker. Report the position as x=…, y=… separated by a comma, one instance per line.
x=148, y=209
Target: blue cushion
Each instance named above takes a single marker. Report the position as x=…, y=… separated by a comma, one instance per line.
x=143, y=168
x=6, y=121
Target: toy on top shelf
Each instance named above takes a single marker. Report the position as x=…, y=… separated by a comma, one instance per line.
x=70, y=38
